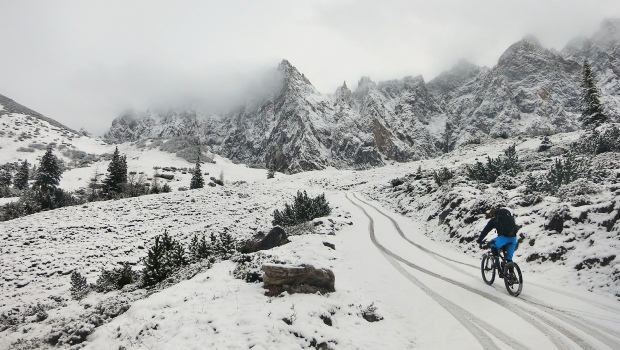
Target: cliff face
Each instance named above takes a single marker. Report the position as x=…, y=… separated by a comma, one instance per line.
x=298, y=128
x=531, y=90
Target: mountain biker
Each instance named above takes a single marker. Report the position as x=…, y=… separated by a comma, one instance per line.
x=503, y=222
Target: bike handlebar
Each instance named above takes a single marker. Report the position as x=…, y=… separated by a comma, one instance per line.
x=484, y=244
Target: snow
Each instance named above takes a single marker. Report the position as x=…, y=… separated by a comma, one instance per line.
x=4, y=201
x=426, y=287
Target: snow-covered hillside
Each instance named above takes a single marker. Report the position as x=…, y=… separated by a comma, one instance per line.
x=26, y=137
x=419, y=293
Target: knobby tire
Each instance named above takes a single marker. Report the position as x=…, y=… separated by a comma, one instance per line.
x=488, y=272
x=513, y=279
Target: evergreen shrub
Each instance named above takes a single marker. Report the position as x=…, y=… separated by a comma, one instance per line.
x=397, y=182
x=506, y=182
x=442, y=176
x=116, y=278
x=166, y=188
x=600, y=140
x=197, y=180
x=303, y=209
x=508, y=164
x=35, y=200
x=200, y=249
x=164, y=257
x=79, y=287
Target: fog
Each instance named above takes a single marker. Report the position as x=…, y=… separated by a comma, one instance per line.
x=83, y=63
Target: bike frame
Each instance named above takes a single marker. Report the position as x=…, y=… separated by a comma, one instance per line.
x=513, y=279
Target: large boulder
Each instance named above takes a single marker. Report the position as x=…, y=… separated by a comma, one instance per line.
x=274, y=238
x=297, y=279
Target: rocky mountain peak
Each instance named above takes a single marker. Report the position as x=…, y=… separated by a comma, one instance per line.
x=291, y=74
x=527, y=46
x=532, y=40
x=343, y=94
x=413, y=83
x=463, y=66
x=577, y=44
x=364, y=85
x=609, y=33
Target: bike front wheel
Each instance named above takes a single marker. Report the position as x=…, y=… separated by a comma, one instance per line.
x=488, y=272
x=513, y=279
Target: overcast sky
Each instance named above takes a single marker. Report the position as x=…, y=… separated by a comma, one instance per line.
x=84, y=62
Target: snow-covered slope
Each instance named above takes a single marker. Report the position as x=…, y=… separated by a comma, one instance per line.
x=418, y=292
x=27, y=136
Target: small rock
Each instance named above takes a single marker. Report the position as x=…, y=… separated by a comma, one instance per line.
x=330, y=245
x=22, y=283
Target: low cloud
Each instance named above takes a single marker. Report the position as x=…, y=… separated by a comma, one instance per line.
x=83, y=63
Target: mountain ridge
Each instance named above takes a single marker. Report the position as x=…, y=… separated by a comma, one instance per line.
x=8, y=105
x=531, y=89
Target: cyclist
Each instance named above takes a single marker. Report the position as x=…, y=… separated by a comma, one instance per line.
x=504, y=223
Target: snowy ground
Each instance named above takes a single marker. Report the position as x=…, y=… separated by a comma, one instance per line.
x=427, y=289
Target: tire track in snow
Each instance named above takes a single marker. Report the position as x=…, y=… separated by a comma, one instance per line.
x=592, y=330
x=473, y=324
x=529, y=316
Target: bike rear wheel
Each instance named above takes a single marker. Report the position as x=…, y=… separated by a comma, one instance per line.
x=513, y=279
x=488, y=272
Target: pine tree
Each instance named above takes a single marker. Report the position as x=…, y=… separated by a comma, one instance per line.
x=79, y=287
x=227, y=245
x=49, y=172
x=166, y=188
x=163, y=258
x=155, y=183
x=532, y=185
x=21, y=178
x=563, y=172
x=448, y=140
x=510, y=164
x=6, y=176
x=117, y=174
x=591, y=109
x=303, y=209
x=95, y=185
x=442, y=176
x=215, y=244
x=545, y=144
x=197, y=180
x=199, y=249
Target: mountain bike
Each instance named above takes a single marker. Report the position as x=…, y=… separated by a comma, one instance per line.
x=509, y=271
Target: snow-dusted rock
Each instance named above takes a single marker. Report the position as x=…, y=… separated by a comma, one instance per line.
x=261, y=241
x=297, y=279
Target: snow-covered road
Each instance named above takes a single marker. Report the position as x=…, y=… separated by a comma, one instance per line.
x=451, y=306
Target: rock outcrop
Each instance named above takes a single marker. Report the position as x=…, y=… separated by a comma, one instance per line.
x=261, y=241
x=297, y=279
